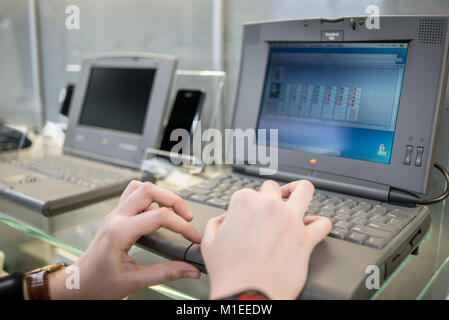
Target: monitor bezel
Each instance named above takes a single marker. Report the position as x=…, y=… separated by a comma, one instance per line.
x=425, y=67
x=111, y=145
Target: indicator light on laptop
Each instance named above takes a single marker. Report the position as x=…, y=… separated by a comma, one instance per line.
x=104, y=141
x=312, y=161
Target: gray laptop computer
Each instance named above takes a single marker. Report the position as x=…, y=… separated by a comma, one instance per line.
x=357, y=112
x=117, y=111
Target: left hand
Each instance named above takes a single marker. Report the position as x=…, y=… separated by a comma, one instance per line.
x=106, y=270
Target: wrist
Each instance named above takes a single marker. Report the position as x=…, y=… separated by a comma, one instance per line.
x=61, y=287
x=26, y=294
x=228, y=292
x=248, y=295
x=56, y=285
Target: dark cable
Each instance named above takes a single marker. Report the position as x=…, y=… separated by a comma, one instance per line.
x=405, y=198
x=445, y=194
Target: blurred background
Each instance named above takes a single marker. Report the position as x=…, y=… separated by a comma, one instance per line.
x=39, y=55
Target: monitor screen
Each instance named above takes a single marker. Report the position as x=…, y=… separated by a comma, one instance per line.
x=338, y=99
x=117, y=98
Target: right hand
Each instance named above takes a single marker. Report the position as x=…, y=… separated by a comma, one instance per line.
x=263, y=242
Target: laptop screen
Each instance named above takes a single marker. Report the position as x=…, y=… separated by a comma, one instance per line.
x=338, y=99
x=117, y=98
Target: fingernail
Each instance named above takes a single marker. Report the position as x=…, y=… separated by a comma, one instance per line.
x=191, y=274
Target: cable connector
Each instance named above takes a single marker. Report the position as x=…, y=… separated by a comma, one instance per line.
x=404, y=198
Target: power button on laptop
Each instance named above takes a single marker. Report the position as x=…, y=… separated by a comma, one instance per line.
x=408, y=155
x=419, y=154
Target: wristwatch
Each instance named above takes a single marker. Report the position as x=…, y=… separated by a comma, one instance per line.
x=37, y=281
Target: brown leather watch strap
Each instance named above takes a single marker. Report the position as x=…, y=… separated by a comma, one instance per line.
x=37, y=286
x=37, y=282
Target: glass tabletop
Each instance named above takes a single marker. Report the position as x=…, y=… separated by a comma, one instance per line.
x=438, y=286
x=30, y=240
x=26, y=248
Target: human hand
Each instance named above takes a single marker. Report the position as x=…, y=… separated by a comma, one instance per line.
x=106, y=270
x=263, y=242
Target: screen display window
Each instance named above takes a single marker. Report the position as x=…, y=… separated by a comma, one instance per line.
x=338, y=99
x=117, y=98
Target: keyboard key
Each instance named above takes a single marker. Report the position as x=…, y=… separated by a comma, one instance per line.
x=337, y=199
x=382, y=226
x=373, y=232
x=362, y=215
x=253, y=185
x=226, y=197
x=313, y=211
x=410, y=213
x=184, y=193
x=208, y=184
x=348, y=204
x=319, y=197
x=331, y=201
x=219, y=203
x=327, y=214
x=342, y=217
x=228, y=192
x=344, y=211
x=376, y=243
x=316, y=202
x=356, y=237
x=398, y=215
x=343, y=225
x=374, y=213
x=378, y=209
x=358, y=221
x=362, y=206
x=198, y=190
x=224, y=177
x=328, y=208
x=338, y=233
x=215, y=194
x=199, y=197
x=397, y=222
x=223, y=188
x=377, y=219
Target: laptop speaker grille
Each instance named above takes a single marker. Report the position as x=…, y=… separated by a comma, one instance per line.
x=431, y=31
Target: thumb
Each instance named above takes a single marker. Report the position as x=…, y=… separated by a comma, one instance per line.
x=163, y=272
x=317, y=229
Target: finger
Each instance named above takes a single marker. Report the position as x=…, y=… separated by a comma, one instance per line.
x=130, y=188
x=310, y=219
x=146, y=276
x=211, y=229
x=287, y=189
x=272, y=188
x=318, y=229
x=300, y=194
x=148, y=193
x=150, y=221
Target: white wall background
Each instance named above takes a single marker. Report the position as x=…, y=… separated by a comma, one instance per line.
x=180, y=27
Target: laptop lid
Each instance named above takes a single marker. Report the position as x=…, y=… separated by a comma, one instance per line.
x=118, y=107
x=348, y=101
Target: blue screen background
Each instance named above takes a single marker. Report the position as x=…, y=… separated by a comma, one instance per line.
x=373, y=71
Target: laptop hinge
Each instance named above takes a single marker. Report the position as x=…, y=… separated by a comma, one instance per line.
x=330, y=182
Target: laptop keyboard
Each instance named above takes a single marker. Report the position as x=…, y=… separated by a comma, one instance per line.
x=73, y=171
x=359, y=222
